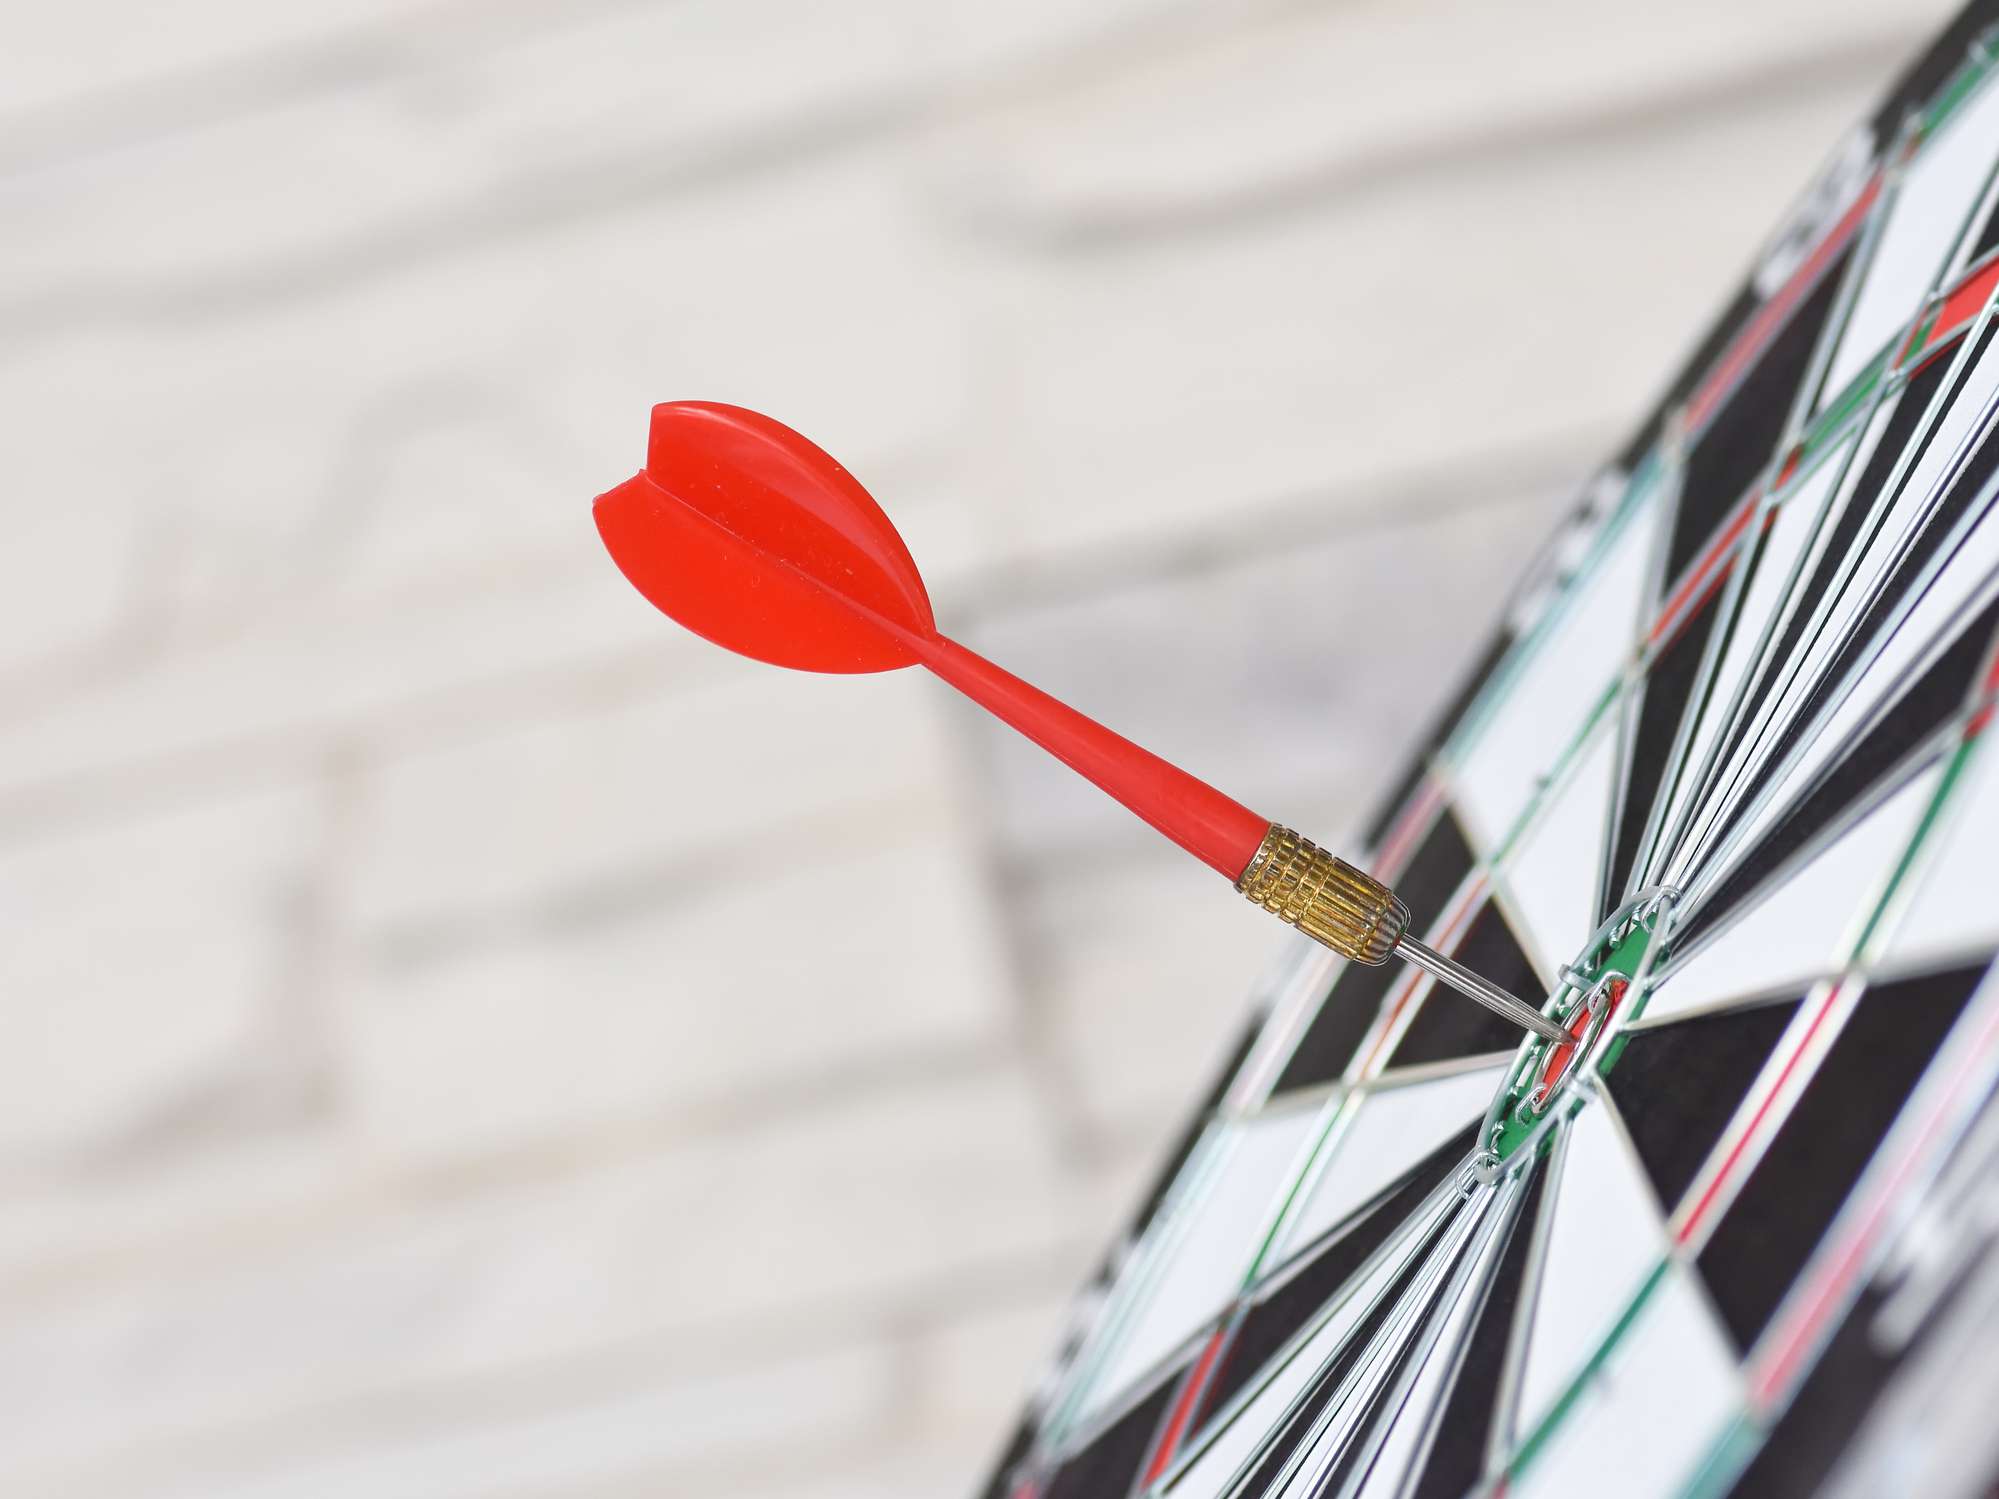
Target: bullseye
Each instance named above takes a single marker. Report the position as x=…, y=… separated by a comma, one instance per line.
x=1587, y=1027
x=1587, y=1006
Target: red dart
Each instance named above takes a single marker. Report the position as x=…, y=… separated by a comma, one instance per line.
x=751, y=536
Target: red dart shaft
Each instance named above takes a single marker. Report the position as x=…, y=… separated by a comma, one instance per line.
x=1354, y=914
x=1218, y=830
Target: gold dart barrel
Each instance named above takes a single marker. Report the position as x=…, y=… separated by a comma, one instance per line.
x=1326, y=898
x=1360, y=918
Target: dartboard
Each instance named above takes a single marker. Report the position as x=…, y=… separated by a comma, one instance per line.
x=1721, y=790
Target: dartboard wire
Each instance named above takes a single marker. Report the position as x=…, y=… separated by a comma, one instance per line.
x=1950, y=109
x=1639, y=987
x=1645, y=491
x=1495, y=856
x=1367, y=1075
x=1804, y=444
x=1097, y=1299
x=1862, y=1240
x=1749, y=739
x=1868, y=649
x=1346, y=1414
x=1673, y=450
x=1764, y=1108
x=1966, y=1144
x=1450, y=1188
x=1732, y=582
x=1304, y=985
x=1417, y=1073
x=1069, y=1423
x=1891, y=177
x=1491, y=1211
x=1318, y=968
x=1343, y=1102
x=1570, y=763
x=1969, y=264
x=1406, y=832
x=1925, y=845
x=1851, y=451
x=1340, y=1424
x=1629, y=700
x=1961, y=772
x=1748, y=999
x=1560, y=562
x=1779, y=681
x=1745, y=351
x=1502, y=1430
x=1792, y=460
x=1677, y=1259
x=1138, y=1278
x=1503, y=1436
x=1782, y=704
x=1527, y=1447
x=1462, y=740
x=1949, y=313
x=1981, y=52
x=1398, y=1009
x=1763, y=813
x=1887, y=501
x=1393, y=1250
x=1723, y=1462
x=1057, y=1446
x=1782, y=1079
x=1671, y=798
x=1352, y=1381
x=1670, y=1250
x=1937, y=1113
x=1128, y=1283
x=1916, y=531
x=1494, y=1255
x=1182, y=1411
x=1885, y=1210
x=1686, y=804
x=1884, y=786
x=1507, y=1460
x=1064, y=1426
x=1820, y=1017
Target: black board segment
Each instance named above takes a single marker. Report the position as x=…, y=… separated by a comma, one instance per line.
x=1108, y=1467
x=1677, y=1087
x=1446, y=1025
x=1276, y=1317
x=1667, y=688
x=1740, y=441
x=1456, y=1459
x=1768, y=1233
x=1924, y=707
x=1440, y=865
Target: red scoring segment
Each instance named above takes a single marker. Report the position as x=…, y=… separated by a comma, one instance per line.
x=1563, y=1056
x=751, y=536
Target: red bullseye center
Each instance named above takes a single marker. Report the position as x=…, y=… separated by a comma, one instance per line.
x=1563, y=1057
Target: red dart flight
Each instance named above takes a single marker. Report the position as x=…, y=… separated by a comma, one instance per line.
x=753, y=537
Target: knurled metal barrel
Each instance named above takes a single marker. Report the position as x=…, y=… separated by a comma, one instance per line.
x=1324, y=897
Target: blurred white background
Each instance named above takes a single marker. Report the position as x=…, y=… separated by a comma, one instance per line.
x=464, y=1037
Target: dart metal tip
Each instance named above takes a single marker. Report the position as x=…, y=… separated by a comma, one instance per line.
x=1481, y=990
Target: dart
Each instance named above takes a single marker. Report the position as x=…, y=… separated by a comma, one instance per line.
x=752, y=537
